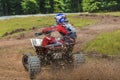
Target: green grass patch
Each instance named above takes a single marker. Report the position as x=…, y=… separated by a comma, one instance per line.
x=105, y=43
x=80, y=22
x=109, y=13
x=114, y=13
x=25, y=23
x=42, y=21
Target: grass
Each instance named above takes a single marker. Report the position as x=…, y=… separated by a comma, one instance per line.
x=106, y=43
x=114, y=13
x=81, y=22
x=26, y=23
x=110, y=13
x=42, y=21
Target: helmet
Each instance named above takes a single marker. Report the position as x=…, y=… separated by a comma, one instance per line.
x=60, y=18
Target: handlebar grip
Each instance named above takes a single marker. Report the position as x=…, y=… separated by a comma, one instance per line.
x=38, y=34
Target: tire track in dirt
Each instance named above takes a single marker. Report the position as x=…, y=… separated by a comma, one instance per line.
x=101, y=69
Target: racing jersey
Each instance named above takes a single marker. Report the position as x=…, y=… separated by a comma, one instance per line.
x=61, y=29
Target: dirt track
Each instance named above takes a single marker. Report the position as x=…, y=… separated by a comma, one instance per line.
x=11, y=50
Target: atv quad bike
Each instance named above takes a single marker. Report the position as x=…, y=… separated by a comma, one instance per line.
x=58, y=57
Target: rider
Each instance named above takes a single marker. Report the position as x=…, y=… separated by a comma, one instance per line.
x=63, y=27
x=61, y=19
x=67, y=31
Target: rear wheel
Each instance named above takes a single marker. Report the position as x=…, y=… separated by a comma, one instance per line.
x=78, y=59
x=34, y=66
x=25, y=60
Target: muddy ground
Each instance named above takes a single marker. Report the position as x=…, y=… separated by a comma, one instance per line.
x=95, y=68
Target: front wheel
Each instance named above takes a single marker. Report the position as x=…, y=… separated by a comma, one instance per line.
x=25, y=60
x=34, y=66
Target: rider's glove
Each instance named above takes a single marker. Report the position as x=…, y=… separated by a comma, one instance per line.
x=38, y=34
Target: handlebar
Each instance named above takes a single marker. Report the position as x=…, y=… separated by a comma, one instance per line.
x=38, y=34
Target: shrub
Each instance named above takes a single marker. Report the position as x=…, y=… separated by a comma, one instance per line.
x=29, y=6
x=95, y=6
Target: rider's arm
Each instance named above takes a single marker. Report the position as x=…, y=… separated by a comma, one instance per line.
x=47, y=30
x=61, y=29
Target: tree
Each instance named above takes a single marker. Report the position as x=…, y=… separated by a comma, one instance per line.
x=112, y=5
x=1, y=8
x=15, y=7
x=95, y=6
x=9, y=7
x=67, y=5
x=30, y=6
x=52, y=6
x=90, y=5
x=118, y=6
x=59, y=6
x=48, y=6
x=4, y=7
x=76, y=5
x=41, y=4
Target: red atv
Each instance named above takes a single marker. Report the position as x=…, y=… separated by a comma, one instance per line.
x=59, y=57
